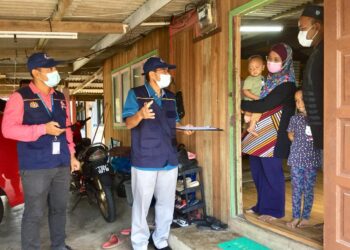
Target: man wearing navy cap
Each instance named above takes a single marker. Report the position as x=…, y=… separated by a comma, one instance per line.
x=150, y=112
x=36, y=116
x=311, y=35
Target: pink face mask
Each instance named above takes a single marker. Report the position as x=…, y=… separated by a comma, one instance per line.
x=274, y=67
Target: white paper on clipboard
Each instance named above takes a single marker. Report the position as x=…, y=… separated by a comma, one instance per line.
x=200, y=128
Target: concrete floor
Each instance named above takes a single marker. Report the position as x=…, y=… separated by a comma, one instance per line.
x=86, y=229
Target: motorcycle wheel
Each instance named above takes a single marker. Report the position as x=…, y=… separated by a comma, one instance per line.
x=1, y=210
x=105, y=201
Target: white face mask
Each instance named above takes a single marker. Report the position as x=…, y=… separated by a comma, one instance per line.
x=164, y=81
x=53, y=79
x=303, y=40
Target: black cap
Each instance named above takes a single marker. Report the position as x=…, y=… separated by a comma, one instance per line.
x=314, y=11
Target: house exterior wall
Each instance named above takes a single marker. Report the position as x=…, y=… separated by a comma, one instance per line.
x=202, y=76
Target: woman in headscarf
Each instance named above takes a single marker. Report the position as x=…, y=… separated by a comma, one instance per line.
x=271, y=144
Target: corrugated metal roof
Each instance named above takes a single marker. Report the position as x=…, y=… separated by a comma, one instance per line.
x=106, y=10
x=278, y=7
x=27, y=9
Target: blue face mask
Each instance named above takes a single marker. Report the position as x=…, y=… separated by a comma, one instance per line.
x=53, y=79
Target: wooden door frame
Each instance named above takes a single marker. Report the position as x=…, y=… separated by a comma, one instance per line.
x=336, y=126
x=234, y=83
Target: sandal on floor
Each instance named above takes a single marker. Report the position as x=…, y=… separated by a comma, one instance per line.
x=126, y=231
x=113, y=241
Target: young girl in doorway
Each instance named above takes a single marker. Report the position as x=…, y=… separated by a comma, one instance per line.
x=304, y=160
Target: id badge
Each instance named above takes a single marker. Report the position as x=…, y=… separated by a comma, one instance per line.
x=56, y=148
x=308, y=131
x=308, y=134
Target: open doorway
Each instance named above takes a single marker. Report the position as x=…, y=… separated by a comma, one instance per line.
x=284, y=14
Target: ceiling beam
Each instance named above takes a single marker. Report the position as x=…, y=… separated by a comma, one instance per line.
x=87, y=81
x=54, y=53
x=57, y=15
x=59, y=12
x=62, y=26
x=140, y=15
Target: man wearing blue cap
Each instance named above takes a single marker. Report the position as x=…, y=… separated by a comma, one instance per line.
x=311, y=35
x=36, y=116
x=150, y=112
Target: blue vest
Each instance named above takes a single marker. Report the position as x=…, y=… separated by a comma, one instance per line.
x=153, y=141
x=38, y=154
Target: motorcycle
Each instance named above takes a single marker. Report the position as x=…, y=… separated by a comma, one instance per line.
x=94, y=180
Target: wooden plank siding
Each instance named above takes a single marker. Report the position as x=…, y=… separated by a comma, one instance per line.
x=202, y=76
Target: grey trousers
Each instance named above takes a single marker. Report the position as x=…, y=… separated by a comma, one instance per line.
x=42, y=188
x=145, y=184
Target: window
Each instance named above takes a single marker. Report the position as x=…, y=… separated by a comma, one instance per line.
x=136, y=71
x=123, y=79
x=121, y=86
x=100, y=111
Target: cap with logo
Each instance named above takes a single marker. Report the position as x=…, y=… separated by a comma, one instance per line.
x=154, y=63
x=41, y=60
x=313, y=11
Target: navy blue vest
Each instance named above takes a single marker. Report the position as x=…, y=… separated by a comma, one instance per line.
x=154, y=140
x=38, y=154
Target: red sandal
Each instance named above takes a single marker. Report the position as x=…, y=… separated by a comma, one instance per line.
x=126, y=231
x=113, y=241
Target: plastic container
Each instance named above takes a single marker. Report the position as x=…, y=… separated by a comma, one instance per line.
x=128, y=192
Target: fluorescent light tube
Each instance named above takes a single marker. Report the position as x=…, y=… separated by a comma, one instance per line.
x=27, y=34
x=261, y=28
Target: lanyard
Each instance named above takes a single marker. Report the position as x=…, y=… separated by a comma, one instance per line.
x=47, y=109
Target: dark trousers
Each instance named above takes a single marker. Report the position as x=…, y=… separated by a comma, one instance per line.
x=42, y=188
x=269, y=181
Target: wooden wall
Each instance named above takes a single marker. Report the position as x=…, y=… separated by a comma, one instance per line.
x=202, y=76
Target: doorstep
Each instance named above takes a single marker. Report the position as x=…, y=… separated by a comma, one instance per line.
x=191, y=238
x=266, y=237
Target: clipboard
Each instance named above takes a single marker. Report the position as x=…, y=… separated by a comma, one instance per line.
x=203, y=128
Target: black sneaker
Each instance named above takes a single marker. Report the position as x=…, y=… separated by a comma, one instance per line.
x=150, y=240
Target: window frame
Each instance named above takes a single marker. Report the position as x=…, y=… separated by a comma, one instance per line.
x=121, y=93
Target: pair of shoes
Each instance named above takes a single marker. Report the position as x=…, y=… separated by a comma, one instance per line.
x=180, y=184
x=211, y=223
x=189, y=184
x=113, y=241
x=181, y=222
x=151, y=242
